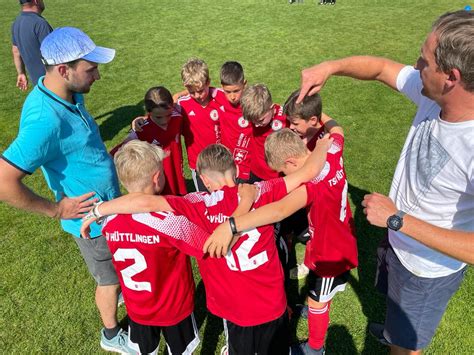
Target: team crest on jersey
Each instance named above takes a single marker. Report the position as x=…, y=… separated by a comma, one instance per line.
x=214, y=115
x=239, y=155
x=277, y=125
x=243, y=122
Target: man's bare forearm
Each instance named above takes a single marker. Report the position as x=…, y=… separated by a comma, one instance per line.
x=18, y=61
x=20, y=196
x=457, y=244
x=367, y=68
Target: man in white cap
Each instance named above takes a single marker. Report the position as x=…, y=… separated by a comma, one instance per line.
x=58, y=134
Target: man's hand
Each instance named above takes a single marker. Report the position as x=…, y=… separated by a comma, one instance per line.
x=137, y=123
x=313, y=79
x=218, y=243
x=22, y=82
x=378, y=208
x=75, y=207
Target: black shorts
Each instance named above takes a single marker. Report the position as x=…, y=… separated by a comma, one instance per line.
x=323, y=289
x=181, y=338
x=271, y=338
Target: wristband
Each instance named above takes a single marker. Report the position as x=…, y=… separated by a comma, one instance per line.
x=95, y=210
x=233, y=227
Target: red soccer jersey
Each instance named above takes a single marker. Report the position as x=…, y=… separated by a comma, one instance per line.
x=236, y=133
x=246, y=287
x=169, y=140
x=155, y=274
x=332, y=248
x=259, y=134
x=312, y=142
x=201, y=125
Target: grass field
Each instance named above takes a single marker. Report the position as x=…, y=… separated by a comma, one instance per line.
x=46, y=294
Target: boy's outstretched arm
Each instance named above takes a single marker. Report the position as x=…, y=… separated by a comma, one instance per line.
x=267, y=214
x=312, y=166
x=127, y=204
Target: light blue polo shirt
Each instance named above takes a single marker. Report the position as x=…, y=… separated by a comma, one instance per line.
x=64, y=140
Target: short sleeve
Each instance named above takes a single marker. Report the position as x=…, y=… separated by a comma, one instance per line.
x=409, y=83
x=270, y=191
x=35, y=145
x=14, y=40
x=42, y=30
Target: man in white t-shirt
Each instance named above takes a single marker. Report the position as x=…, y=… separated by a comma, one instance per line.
x=430, y=211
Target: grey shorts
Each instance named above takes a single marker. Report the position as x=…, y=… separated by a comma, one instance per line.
x=415, y=305
x=98, y=259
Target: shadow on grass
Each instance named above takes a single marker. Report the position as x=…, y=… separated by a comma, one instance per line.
x=340, y=341
x=213, y=326
x=368, y=238
x=117, y=119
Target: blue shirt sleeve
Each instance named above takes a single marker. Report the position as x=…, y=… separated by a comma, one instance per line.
x=37, y=141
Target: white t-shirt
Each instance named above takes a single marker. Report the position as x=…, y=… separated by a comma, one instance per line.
x=434, y=180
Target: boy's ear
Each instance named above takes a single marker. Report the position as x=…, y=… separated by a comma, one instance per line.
x=205, y=180
x=156, y=177
x=291, y=162
x=314, y=120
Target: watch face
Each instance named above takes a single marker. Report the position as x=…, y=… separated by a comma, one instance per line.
x=394, y=222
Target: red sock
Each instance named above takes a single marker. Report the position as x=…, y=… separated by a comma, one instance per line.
x=318, y=322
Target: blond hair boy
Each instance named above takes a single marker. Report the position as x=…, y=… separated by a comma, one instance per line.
x=150, y=256
x=266, y=117
x=201, y=113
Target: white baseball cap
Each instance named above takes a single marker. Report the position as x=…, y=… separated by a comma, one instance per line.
x=66, y=44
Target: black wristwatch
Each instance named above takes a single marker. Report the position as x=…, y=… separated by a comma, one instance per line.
x=395, y=222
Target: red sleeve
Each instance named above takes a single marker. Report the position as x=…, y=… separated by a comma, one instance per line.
x=183, y=234
x=270, y=191
x=193, y=207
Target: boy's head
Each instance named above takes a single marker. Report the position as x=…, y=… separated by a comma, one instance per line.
x=233, y=81
x=159, y=104
x=285, y=152
x=216, y=163
x=195, y=76
x=305, y=116
x=257, y=105
x=139, y=167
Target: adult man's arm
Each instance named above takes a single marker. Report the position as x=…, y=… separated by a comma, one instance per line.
x=16, y=194
x=457, y=244
x=358, y=67
x=21, y=79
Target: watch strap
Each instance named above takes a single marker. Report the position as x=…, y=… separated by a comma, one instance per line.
x=233, y=227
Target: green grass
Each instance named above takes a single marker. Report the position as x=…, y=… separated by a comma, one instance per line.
x=46, y=294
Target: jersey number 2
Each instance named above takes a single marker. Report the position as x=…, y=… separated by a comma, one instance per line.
x=138, y=266
x=243, y=252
